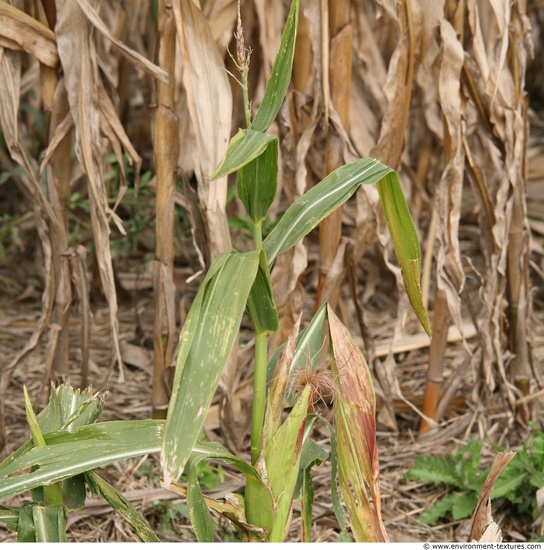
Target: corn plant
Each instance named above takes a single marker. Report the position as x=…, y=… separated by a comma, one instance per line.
x=238, y=280
x=64, y=448
x=282, y=450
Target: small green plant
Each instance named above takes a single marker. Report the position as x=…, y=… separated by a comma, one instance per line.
x=43, y=518
x=524, y=475
x=460, y=473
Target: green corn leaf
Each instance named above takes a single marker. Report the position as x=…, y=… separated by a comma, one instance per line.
x=257, y=182
x=124, y=508
x=260, y=304
x=73, y=493
x=355, y=416
x=278, y=83
x=49, y=523
x=244, y=147
x=234, y=511
x=198, y=504
x=25, y=527
x=343, y=521
x=231, y=508
x=205, y=344
x=312, y=455
x=282, y=458
x=278, y=387
x=35, y=431
x=69, y=454
x=259, y=505
x=69, y=408
x=306, y=505
x=21, y=451
x=216, y=451
x=66, y=454
x=405, y=241
x=199, y=514
x=52, y=495
x=322, y=199
x=9, y=517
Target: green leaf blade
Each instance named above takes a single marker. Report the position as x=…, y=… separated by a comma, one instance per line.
x=464, y=505
x=244, y=147
x=322, y=199
x=49, y=523
x=70, y=408
x=199, y=513
x=405, y=241
x=9, y=517
x=260, y=304
x=509, y=481
x=278, y=83
x=258, y=181
x=66, y=454
x=25, y=526
x=282, y=456
x=206, y=342
x=308, y=347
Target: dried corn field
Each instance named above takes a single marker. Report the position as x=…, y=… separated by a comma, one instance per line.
x=113, y=117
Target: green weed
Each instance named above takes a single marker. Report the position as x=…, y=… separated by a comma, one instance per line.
x=461, y=474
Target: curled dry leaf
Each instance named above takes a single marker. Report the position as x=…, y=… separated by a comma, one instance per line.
x=482, y=522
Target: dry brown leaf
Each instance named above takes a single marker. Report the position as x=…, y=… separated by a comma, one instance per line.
x=482, y=522
x=46, y=218
x=20, y=31
x=335, y=276
x=78, y=266
x=448, y=198
x=111, y=126
x=271, y=16
x=134, y=57
x=503, y=15
x=209, y=100
x=78, y=56
x=398, y=85
x=339, y=77
x=220, y=15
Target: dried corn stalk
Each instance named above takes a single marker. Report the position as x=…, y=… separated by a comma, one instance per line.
x=82, y=112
